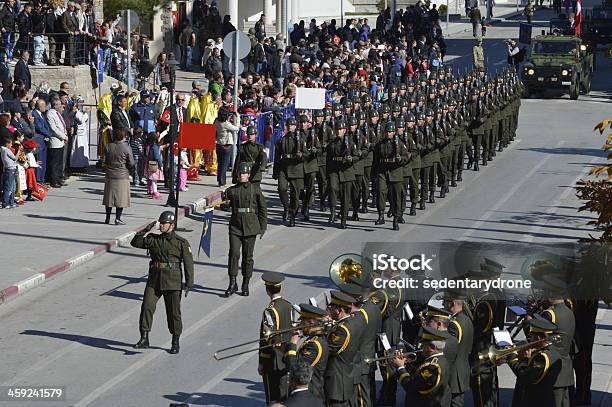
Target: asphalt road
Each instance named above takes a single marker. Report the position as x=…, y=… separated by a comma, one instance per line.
x=76, y=331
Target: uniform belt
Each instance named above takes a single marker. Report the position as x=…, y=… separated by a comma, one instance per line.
x=338, y=158
x=163, y=265
x=388, y=160
x=243, y=210
x=289, y=156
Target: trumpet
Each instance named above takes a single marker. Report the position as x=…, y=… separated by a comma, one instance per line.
x=409, y=356
x=495, y=356
x=267, y=335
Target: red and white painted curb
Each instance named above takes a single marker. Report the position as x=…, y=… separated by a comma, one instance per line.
x=38, y=279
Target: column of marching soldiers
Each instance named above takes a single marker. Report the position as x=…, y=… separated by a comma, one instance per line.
x=434, y=355
x=413, y=143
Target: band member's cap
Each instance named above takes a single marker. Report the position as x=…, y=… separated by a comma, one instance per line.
x=272, y=278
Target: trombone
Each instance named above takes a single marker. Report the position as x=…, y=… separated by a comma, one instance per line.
x=409, y=356
x=267, y=334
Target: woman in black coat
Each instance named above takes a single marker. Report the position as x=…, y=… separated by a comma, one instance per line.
x=6, y=78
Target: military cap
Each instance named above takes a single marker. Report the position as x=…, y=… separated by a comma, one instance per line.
x=385, y=109
x=434, y=312
x=337, y=106
x=420, y=116
x=542, y=325
x=392, y=89
x=291, y=121
x=554, y=284
x=166, y=217
x=444, y=106
x=400, y=123
x=402, y=86
x=452, y=102
x=352, y=289
x=352, y=121
x=251, y=130
x=403, y=103
x=360, y=115
x=318, y=113
x=340, y=124
x=390, y=127
x=374, y=113
x=347, y=103
x=395, y=107
x=311, y=312
x=429, y=112
x=326, y=112
x=304, y=119
x=272, y=278
x=455, y=293
x=245, y=168
x=474, y=91
x=340, y=298
x=410, y=117
x=432, y=334
x=366, y=99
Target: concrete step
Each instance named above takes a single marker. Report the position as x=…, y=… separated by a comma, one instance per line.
x=270, y=28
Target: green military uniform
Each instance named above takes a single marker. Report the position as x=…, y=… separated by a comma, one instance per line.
x=248, y=219
x=272, y=366
x=483, y=382
x=359, y=161
x=252, y=153
x=168, y=252
x=374, y=132
x=324, y=134
x=311, y=165
x=461, y=328
x=415, y=147
x=493, y=105
x=390, y=155
x=478, y=114
x=340, y=173
x=463, y=120
x=446, y=152
x=313, y=350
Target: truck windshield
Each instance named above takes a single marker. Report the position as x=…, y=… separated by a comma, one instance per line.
x=554, y=47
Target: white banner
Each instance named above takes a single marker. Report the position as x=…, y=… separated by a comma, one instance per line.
x=310, y=98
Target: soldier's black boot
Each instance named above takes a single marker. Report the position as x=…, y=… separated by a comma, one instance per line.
x=175, y=344
x=432, y=199
x=355, y=216
x=381, y=218
x=395, y=223
x=469, y=163
x=422, y=204
x=476, y=166
x=245, y=287
x=484, y=160
x=364, y=208
x=143, y=343
x=443, y=191
x=459, y=177
x=232, y=288
x=292, y=219
x=343, y=221
x=285, y=213
x=453, y=183
x=323, y=207
x=413, y=209
x=306, y=213
x=332, y=216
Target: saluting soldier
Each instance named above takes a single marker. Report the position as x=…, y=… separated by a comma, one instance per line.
x=289, y=170
x=324, y=134
x=344, y=353
x=252, y=153
x=461, y=328
x=390, y=155
x=249, y=218
x=428, y=386
x=168, y=252
x=340, y=172
x=311, y=163
x=276, y=316
x=313, y=350
x=537, y=370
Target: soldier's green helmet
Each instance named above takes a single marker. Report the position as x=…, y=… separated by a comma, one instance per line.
x=340, y=124
x=429, y=112
x=245, y=168
x=326, y=112
x=403, y=103
x=420, y=116
x=390, y=127
x=402, y=86
x=360, y=115
x=352, y=121
x=393, y=89
x=291, y=121
x=395, y=108
x=421, y=97
x=166, y=217
x=410, y=117
x=452, y=102
x=251, y=130
x=337, y=106
x=400, y=123
x=474, y=92
x=366, y=99
x=385, y=109
x=412, y=99
x=373, y=113
x=304, y=119
x=444, y=106
x=318, y=113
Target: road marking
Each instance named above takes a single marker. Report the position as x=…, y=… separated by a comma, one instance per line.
x=476, y=225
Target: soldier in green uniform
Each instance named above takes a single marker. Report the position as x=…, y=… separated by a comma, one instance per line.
x=426, y=162
x=402, y=134
x=435, y=135
x=461, y=328
x=487, y=124
x=415, y=146
x=248, y=219
x=494, y=116
x=340, y=172
x=428, y=386
x=289, y=170
x=375, y=130
x=313, y=350
x=536, y=370
x=311, y=163
x=252, y=153
x=276, y=316
x=324, y=134
x=390, y=155
x=361, y=151
x=168, y=251
x=445, y=148
x=478, y=114
x=344, y=344
x=454, y=119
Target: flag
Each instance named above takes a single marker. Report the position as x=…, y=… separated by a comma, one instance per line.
x=578, y=18
x=198, y=135
x=206, y=237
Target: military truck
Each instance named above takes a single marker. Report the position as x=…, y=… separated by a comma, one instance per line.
x=558, y=62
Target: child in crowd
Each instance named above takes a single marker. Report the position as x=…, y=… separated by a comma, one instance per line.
x=30, y=165
x=184, y=164
x=9, y=175
x=153, y=169
x=20, y=182
x=137, y=143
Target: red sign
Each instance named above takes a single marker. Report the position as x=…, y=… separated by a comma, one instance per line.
x=197, y=135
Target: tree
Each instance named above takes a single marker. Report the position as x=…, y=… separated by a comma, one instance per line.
x=598, y=192
x=146, y=9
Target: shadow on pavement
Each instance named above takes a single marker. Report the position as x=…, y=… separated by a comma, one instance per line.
x=101, y=343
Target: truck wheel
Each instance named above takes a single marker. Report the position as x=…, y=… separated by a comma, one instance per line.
x=586, y=86
x=574, y=90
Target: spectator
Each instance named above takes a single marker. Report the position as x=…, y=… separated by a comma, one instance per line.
x=70, y=28
x=120, y=120
x=7, y=23
x=226, y=138
x=54, y=32
x=143, y=113
x=24, y=124
x=42, y=137
x=6, y=79
x=22, y=71
x=38, y=28
x=214, y=63
x=80, y=141
x=154, y=165
x=9, y=174
x=301, y=396
x=514, y=53
x=260, y=28
x=119, y=161
x=227, y=27
x=278, y=70
x=165, y=73
x=137, y=144
x=57, y=141
x=25, y=28
x=186, y=41
x=476, y=20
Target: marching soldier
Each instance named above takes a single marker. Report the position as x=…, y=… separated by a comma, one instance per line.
x=361, y=151
x=429, y=384
x=313, y=350
x=324, y=135
x=168, y=252
x=311, y=163
x=252, y=153
x=405, y=138
x=426, y=158
x=435, y=136
x=485, y=116
x=289, y=170
x=340, y=172
x=248, y=219
x=374, y=132
x=390, y=154
x=478, y=114
x=414, y=143
x=277, y=316
x=445, y=148
x=344, y=353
